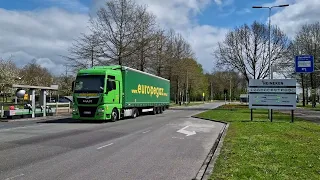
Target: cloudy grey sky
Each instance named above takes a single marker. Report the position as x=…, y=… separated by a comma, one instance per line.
x=44, y=29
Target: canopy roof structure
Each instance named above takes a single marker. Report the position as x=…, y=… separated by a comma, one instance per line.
x=52, y=87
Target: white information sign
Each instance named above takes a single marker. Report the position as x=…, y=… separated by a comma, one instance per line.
x=272, y=94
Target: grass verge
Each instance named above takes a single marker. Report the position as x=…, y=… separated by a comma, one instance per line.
x=260, y=149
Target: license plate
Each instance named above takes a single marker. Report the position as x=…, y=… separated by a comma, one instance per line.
x=87, y=112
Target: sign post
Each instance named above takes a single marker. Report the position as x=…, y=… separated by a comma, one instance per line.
x=272, y=94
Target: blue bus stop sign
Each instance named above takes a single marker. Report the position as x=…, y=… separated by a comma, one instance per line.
x=304, y=64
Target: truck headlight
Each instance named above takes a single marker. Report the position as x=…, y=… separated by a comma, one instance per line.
x=100, y=110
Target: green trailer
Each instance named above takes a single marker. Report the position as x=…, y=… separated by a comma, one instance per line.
x=115, y=92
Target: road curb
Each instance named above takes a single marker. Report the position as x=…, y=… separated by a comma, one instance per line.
x=208, y=164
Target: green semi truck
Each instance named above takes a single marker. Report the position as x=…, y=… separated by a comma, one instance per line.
x=115, y=92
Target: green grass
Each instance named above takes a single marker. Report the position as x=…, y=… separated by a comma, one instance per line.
x=264, y=150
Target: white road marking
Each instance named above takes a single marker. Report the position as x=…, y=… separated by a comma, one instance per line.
x=146, y=131
x=13, y=177
x=177, y=138
x=188, y=133
x=105, y=146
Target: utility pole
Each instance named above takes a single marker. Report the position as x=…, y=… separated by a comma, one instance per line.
x=66, y=70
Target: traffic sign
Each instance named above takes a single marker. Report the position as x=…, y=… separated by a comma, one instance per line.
x=304, y=64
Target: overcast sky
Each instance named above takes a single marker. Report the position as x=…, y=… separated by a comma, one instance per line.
x=44, y=29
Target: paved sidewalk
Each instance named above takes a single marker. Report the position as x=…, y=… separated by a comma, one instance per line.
x=307, y=114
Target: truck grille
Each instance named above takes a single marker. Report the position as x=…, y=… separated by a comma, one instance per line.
x=88, y=101
x=87, y=111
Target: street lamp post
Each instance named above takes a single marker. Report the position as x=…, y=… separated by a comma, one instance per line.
x=269, y=48
x=269, y=27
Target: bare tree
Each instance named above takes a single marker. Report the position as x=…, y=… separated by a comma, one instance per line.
x=85, y=51
x=246, y=50
x=159, y=53
x=116, y=28
x=169, y=51
x=179, y=51
x=144, y=41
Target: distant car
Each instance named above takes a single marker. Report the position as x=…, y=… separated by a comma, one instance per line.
x=64, y=100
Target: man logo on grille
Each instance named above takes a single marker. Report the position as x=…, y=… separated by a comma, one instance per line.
x=87, y=101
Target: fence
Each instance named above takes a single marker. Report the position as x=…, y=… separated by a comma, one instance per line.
x=61, y=107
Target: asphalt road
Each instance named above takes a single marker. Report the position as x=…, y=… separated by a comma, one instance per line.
x=167, y=146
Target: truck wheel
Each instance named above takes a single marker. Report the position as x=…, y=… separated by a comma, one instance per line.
x=160, y=110
x=114, y=115
x=163, y=108
x=135, y=113
x=154, y=112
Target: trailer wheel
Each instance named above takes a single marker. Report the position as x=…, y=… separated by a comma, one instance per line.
x=163, y=108
x=154, y=111
x=114, y=115
x=135, y=113
x=160, y=110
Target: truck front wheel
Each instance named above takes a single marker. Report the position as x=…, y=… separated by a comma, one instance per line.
x=114, y=115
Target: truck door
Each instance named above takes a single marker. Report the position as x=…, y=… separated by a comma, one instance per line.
x=112, y=90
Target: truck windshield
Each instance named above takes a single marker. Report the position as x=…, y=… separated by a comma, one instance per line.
x=89, y=84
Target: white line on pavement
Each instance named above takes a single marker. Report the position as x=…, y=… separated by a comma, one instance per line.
x=105, y=146
x=184, y=131
x=13, y=177
x=146, y=131
x=177, y=138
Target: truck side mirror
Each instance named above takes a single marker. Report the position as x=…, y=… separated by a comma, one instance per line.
x=73, y=84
